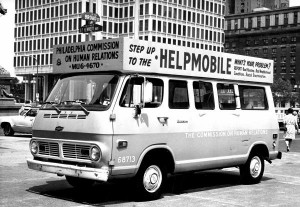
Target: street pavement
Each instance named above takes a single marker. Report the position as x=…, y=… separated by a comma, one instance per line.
x=20, y=186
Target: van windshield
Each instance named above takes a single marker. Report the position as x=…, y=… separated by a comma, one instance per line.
x=94, y=91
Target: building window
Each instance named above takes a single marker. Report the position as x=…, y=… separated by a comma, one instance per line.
x=266, y=41
x=293, y=49
x=141, y=26
x=268, y=21
x=265, y=50
x=248, y=42
x=292, y=69
x=258, y=22
x=274, y=50
x=274, y=40
x=295, y=17
x=283, y=59
x=283, y=49
x=283, y=39
x=285, y=19
x=293, y=59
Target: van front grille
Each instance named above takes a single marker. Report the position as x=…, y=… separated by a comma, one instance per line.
x=76, y=151
x=69, y=150
x=49, y=148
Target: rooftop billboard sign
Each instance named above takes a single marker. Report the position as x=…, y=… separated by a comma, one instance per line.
x=145, y=56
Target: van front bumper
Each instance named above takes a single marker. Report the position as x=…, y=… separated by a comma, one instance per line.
x=69, y=170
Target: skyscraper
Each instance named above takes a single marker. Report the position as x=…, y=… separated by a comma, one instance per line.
x=40, y=24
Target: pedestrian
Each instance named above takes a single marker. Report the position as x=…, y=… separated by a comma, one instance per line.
x=290, y=122
x=298, y=118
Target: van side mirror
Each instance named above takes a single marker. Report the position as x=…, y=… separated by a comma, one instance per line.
x=148, y=91
x=141, y=94
x=137, y=100
x=139, y=97
x=137, y=94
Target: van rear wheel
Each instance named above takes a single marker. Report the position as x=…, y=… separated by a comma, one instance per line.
x=150, y=180
x=253, y=170
x=79, y=182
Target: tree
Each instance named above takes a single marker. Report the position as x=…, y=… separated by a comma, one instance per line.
x=282, y=91
x=17, y=89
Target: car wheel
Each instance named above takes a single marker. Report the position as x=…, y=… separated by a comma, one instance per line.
x=79, y=182
x=7, y=130
x=253, y=170
x=150, y=180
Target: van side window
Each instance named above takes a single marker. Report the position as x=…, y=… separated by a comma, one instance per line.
x=253, y=98
x=178, y=95
x=226, y=96
x=157, y=95
x=203, y=95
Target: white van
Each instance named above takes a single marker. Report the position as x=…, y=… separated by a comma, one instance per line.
x=128, y=108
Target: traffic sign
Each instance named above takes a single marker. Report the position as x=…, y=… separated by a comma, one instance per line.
x=90, y=28
x=90, y=16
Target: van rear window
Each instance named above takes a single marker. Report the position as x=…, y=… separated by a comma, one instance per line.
x=253, y=98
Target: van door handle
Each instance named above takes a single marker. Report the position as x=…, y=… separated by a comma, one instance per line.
x=163, y=120
x=202, y=114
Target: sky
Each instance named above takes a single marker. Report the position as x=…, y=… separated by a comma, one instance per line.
x=7, y=34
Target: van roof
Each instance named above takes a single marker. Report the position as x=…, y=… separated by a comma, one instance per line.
x=131, y=55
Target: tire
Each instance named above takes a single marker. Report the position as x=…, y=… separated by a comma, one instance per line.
x=150, y=181
x=79, y=182
x=253, y=170
x=7, y=130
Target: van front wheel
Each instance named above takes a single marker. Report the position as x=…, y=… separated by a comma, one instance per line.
x=253, y=170
x=150, y=181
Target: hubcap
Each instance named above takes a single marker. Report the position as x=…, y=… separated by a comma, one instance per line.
x=255, y=167
x=152, y=178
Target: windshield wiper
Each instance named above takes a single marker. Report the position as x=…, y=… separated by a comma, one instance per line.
x=84, y=109
x=55, y=107
x=79, y=103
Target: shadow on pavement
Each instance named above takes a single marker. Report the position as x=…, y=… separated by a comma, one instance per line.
x=123, y=190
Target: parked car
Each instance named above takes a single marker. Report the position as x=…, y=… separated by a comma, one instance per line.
x=21, y=123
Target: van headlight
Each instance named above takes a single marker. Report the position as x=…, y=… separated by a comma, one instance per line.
x=34, y=147
x=95, y=153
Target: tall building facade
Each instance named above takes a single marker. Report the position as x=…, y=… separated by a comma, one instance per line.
x=40, y=24
x=247, y=6
x=273, y=34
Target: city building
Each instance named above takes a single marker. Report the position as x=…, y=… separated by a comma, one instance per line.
x=273, y=34
x=247, y=6
x=40, y=24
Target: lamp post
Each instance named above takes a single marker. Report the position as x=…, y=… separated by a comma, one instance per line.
x=37, y=76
